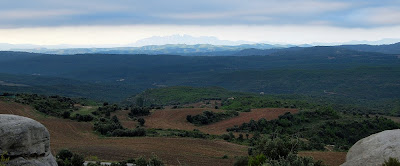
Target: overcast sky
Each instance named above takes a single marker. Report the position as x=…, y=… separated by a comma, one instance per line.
x=121, y=22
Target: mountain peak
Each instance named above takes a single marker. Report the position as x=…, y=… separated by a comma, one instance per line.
x=186, y=39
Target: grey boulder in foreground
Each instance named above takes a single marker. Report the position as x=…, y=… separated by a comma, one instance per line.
x=373, y=150
x=26, y=141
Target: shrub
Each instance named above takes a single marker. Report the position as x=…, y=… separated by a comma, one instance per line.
x=391, y=162
x=293, y=159
x=141, y=121
x=241, y=161
x=4, y=159
x=257, y=160
x=77, y=160
x=67, y=158
x=155, y=161
x=139, y=111
x=208, y=117
x=66, y=114
x=189, y=118
x=275, y=148
x=83, y=118
x=141, y=161
x=64, y=154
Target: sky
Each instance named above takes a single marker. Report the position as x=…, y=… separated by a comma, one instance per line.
x=123, y=22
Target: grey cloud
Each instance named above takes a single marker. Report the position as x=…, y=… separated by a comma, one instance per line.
x=28, y=13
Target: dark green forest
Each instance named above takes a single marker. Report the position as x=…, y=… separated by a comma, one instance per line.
x=326, y=74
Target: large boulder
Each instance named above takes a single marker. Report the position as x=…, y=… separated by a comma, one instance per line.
x=375, y=149
x=26, y=141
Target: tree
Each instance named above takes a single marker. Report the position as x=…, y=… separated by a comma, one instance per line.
x=189, y=118
x=77, y=160
x=241, y=161
x=275, y=148
x=141, y=121
x=155, y=161
x=66, y=114
x=257, y=160
x=64, y=154
x=141, y=161
x=115, y=119
x=240, y=137
x=140, y=102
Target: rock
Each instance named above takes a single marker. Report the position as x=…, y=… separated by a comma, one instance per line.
x=375, y=149
x=26, y=141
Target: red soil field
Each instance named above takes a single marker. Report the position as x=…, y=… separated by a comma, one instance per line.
x=328, y=158
x=176, y=119
x=79, y=137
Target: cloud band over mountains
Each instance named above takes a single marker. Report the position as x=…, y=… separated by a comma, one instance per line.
x=342, y=13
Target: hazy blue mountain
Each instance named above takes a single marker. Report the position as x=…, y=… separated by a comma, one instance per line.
x=186, y=39
x=176, y=49
x=388, y=49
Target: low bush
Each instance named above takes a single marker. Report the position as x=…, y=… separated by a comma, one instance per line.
x=208, y=117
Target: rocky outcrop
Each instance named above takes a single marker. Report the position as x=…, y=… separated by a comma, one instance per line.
x=373, y=150
x=26, y=141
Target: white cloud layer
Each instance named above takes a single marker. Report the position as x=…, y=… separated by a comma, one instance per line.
x=125, y=35
x=342, y=13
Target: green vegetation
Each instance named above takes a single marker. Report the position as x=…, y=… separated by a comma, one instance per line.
x=209, y=117
x=141, y=121
x=4, y=159
x=139, y=111
x=391, y=162
x=112, y=127
x=275, y=152
x=321, y=127
x=67, y=158
x=106, y=109
x=246, y=103
x=179, y=133
x=179, y=95
x=49, y=105
x=337, y=75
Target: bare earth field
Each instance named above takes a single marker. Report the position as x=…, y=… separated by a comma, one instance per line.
x=328, y=158
x=78, y=137
x=176, y=119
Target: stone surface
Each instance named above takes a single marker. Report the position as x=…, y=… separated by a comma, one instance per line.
x=26, y=141
x=373, y=150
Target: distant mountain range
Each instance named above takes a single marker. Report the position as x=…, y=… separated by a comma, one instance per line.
x=176, y=49
x=188, y=45
x=208, y=49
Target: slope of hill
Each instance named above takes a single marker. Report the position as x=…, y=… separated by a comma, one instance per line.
x=387, y=49
x=333, y=72
x=78, y=137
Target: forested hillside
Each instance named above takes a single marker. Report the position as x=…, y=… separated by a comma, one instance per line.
x=335, y=73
